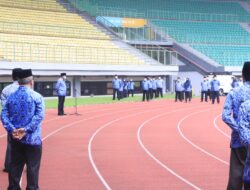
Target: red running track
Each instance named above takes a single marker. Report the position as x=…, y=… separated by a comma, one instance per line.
x=140, y=146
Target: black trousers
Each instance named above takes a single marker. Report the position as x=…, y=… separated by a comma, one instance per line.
x=159, y=92
x=115, y=93
x=131, y=92
x=22, y=154
x=145, y=94
x=209, y=94
x=188, y=96
x=61, y=100
x=215, y=95
x=8, y=153
x=204, y=93
x=154, y=93
x=125, y=93
x=120, y=95
x=178, y=96
x=150, y=92
x=237, y=163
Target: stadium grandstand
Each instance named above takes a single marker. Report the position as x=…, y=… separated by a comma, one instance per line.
x=92, y=40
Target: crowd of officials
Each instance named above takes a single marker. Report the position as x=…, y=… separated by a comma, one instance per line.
x=210, y=89
x=23, y=111
x=151, y=87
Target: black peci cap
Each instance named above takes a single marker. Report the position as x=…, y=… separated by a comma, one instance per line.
x=16, y=73
x=246, y=71
x=63, y=74
x=25, y=73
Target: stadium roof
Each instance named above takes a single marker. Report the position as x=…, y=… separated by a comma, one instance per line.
x=46, y=69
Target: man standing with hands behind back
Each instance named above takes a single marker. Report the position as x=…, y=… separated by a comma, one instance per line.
x=21, y=117
x=61, y=90
x=7, y=91
x=230, y=116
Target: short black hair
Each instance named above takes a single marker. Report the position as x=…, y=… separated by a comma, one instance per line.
x=246, y=71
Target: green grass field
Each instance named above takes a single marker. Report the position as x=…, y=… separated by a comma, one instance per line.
x=69, y=102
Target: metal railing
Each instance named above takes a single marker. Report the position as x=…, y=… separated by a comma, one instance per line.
x=146, y=33
x=158, y=53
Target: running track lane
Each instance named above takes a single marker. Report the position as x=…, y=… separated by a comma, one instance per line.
x=201, y=169
x=75, y=181
x=52, y=122
x=83, y=176
x=123, y=164
x=63, y=141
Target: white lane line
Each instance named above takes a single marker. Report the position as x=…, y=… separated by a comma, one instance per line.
x=139, y=139
x=107, y=186
x=85, y=119
x=217, y=127
x=193, y=144
x=57, y=118
x=4, y=135
x=76, y=122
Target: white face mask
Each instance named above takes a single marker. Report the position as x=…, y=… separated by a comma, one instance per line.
x=64, y=77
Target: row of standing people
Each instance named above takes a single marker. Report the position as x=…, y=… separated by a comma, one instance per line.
x=151, y=88
x=122, y=88
x=183, y=91
x=210, y=89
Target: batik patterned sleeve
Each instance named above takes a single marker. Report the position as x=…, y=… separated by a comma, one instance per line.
x=3, y=99
x=5, y=116
x=244, y=122
x=227, y=113
x=38, y=116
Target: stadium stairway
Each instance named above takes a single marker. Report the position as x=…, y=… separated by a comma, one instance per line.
x=199, y=60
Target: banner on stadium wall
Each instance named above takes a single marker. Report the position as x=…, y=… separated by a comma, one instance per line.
x=122, y=22
x=133, y=22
